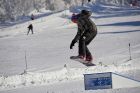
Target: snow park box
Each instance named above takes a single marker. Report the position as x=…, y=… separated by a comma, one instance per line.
x=98, y=81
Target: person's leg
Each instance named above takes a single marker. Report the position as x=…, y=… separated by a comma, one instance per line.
x=82, y=48
x=28, y=31
x=88, y=55
x=32, y=31
x=87, y=42
x=89, y=37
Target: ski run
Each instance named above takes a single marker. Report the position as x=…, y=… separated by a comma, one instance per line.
x=40, y=63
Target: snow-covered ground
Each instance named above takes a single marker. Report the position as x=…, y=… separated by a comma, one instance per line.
x=49, y=69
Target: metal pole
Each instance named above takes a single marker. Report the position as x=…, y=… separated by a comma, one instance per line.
x=130, y=52
x=26, y=61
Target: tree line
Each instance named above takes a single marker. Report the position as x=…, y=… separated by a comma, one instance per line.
x=12, y=9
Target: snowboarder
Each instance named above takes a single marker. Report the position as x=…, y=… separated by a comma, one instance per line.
x=87, y=31
x=30, y=27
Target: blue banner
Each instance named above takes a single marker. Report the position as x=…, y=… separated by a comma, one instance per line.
x=98, y=81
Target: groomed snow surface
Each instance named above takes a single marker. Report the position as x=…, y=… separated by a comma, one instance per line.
x=49, y=69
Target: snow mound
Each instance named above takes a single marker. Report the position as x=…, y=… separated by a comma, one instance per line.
x=63, y=75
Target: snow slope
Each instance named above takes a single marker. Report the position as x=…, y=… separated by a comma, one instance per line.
x=47, y=52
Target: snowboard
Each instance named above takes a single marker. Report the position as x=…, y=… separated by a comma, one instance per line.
x=82, y=61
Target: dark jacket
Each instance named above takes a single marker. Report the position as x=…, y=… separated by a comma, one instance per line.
x=30, y=26
x=86, y=26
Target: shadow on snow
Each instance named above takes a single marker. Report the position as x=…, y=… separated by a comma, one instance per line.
x=132, y=23
x=118, y=32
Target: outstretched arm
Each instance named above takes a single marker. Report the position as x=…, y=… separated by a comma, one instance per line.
x=79, y=33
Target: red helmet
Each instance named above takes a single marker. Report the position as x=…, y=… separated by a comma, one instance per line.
x=74, y=18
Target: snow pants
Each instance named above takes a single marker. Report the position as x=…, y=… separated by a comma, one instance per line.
x=84, y=41
x=29, y=31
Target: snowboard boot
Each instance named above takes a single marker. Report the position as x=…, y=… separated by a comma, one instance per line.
x=78, y=57
x=89, y=59
x=82, y=57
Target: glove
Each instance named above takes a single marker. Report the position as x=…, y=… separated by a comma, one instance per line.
x=72, y=44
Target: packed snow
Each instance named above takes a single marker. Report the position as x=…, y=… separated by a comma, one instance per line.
x=46, y=52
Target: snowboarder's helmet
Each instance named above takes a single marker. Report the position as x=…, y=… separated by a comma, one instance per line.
x=86, y=13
